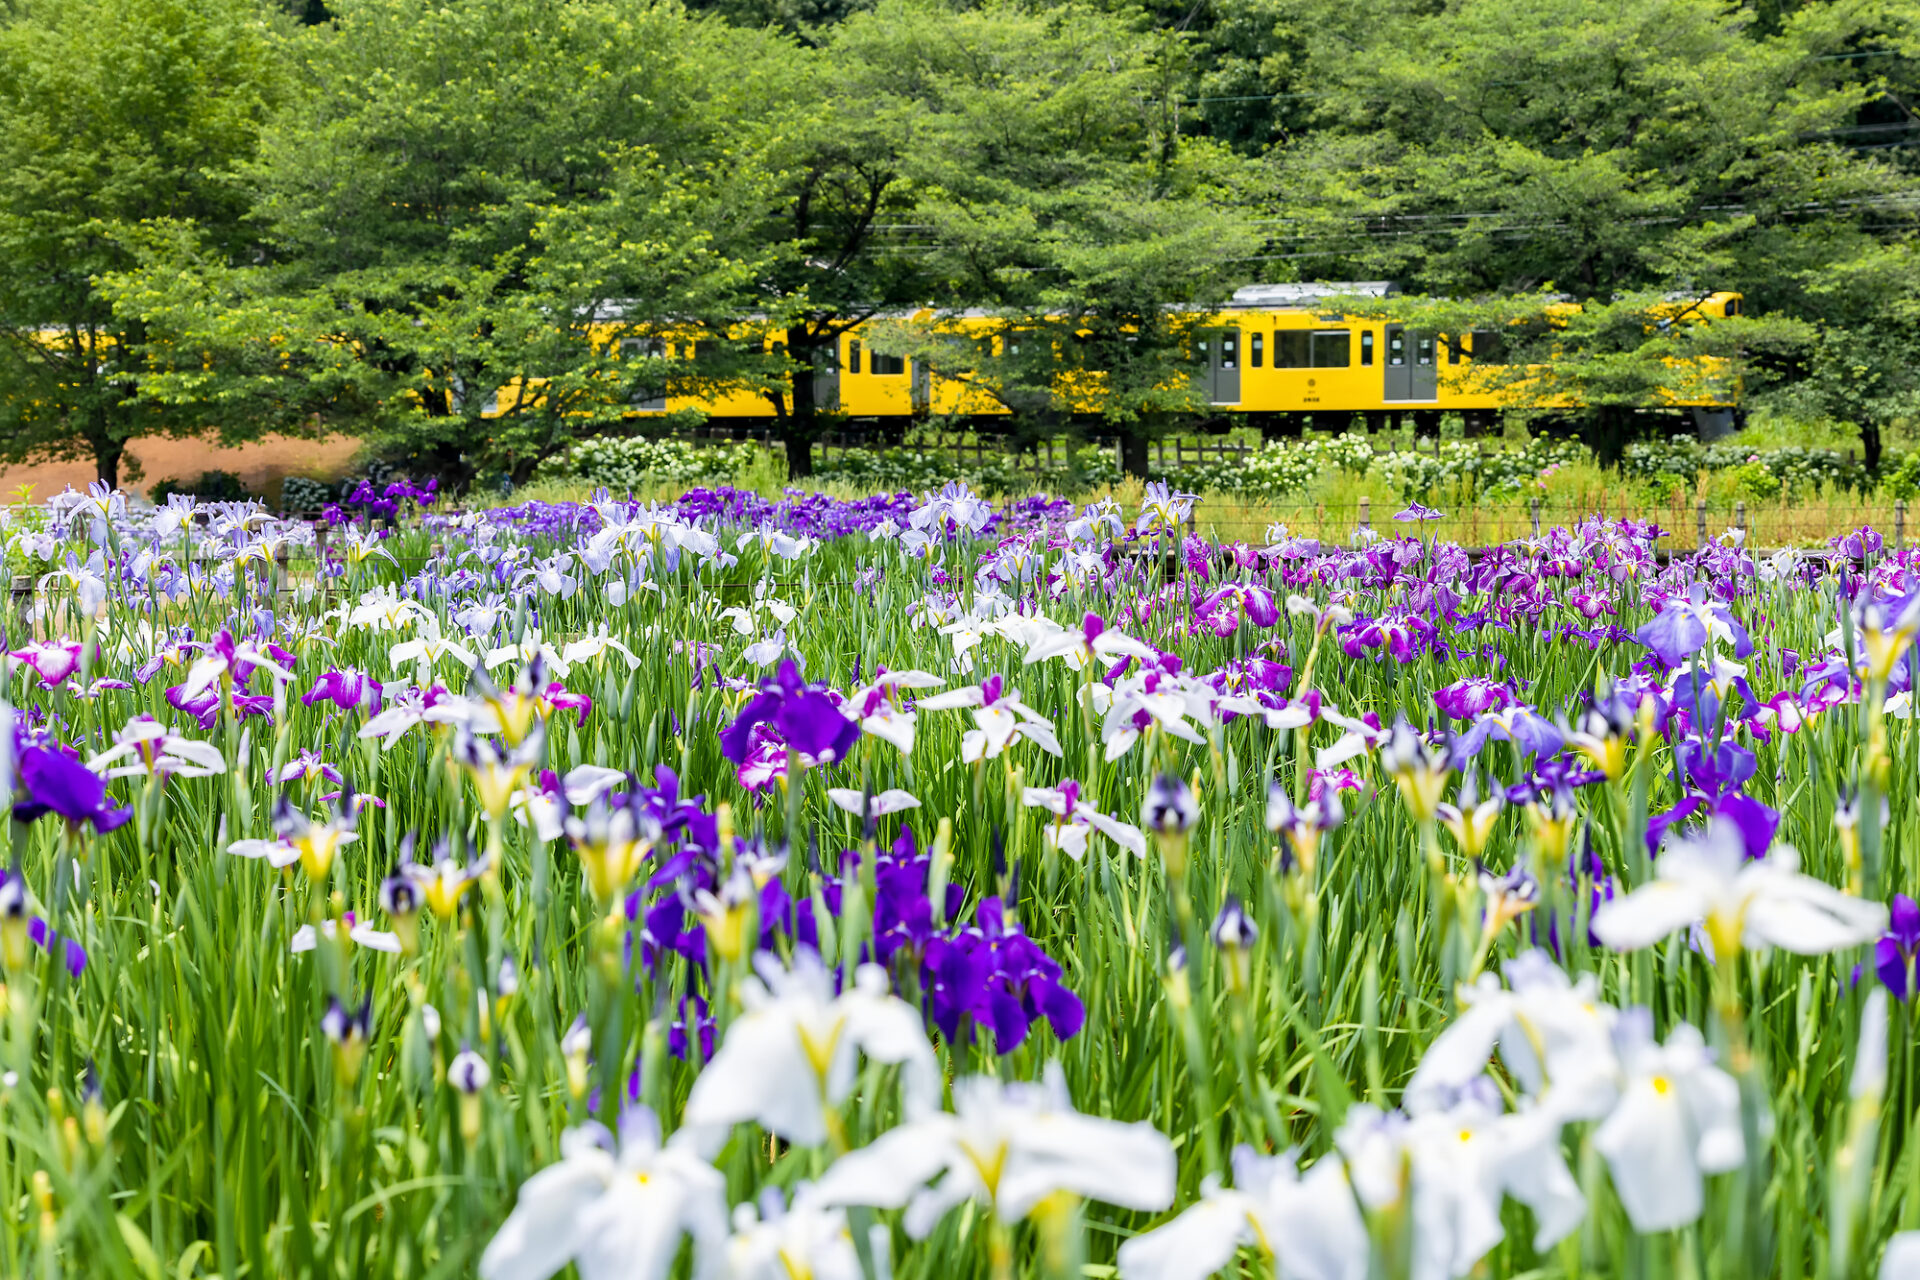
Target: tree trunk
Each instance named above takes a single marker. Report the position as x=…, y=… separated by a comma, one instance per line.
x=1609, y=428
x=106, y=461
x=803, y=422
x=1133, y=453
x=1870, y=445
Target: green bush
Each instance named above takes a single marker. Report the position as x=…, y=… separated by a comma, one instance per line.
x=209, y=486
x=1088, y=467
x=626, y=463
x=1903, y=482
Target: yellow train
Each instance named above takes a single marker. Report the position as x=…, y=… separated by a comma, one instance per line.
x=1272, y=358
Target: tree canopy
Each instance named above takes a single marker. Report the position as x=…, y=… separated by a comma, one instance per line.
x=245, y=216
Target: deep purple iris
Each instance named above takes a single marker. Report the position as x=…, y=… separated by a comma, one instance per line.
x=55, y=783
x=349, y=689
x=804, y=714
x=13, y=909
x=1473, y=696
x=1894, y=954
x=994, y=975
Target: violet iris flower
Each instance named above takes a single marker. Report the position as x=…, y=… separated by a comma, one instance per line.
x=1683, y=626
x=52, y=660
x=349, y=689
x=1473, y=696
x=803, y=714
x=1415, y=513
x=53, y=782
x=1757, y=822
x=1894, y=953
x=13, y=910
x=995, y=975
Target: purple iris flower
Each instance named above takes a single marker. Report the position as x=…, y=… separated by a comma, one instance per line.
x=561, y=698
x=1756, y=821
x=1893, y=954
x=1683, y=624
x=996, y=976
x=1726, y=767
x=803, y=714
x=13, y=907
x=1473, y=696
x=349, y=689
x=702, y=1023
x=53, y=782
x=1415, y=513
x=1527, y=730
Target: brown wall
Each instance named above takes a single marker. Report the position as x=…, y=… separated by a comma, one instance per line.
x=260, y=465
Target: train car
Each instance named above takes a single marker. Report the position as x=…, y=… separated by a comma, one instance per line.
x=1274, y=357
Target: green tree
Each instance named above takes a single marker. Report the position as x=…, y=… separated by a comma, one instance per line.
x=1501, y=147
x=112, y=113
x=1055, y=197
x=477, y=217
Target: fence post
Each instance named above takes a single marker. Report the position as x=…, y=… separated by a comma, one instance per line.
x=22, y=595
x=1366, y=513
x=1740, y=520
x=1533, y=509
x=1700, y=523
x=1900, y=525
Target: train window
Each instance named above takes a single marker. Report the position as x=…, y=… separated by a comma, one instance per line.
x=1488, y=348
x=1332, y=349
x=853, y=356
x=1425, y=356
x=886, y=366
x=1453, y=349
x=1290, y=349
x=1396, y=349
x=1257, y=350
x=1733, y=306
x=1366, y=348
x=1230, y=350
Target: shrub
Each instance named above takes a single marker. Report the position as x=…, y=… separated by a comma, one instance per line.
x=209, y=486
x=626, y=463
x=304, y=493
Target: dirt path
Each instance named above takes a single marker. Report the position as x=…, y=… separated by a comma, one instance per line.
x=260, y=465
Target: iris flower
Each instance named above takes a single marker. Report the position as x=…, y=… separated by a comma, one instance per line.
x=1092, y=642
x=360, y=934
x=1006, y=1147
x=804, y=1240
x=18, y=926
x=1075, y=821
x=1678, y=1120
x=157, y=751
x=1449, y=1170
x=999, y=716
x=1307, y=1228
x=47, y=781
x=1685, y=624
x=615, y=1212
x=803, y=714
x=792, y=1055
x=53, y=661
x=1743, y=903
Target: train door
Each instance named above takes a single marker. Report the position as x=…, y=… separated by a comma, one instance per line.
x=922, y=385
x=1220, y=351
x=650, y=390
x=1409, y=371
x=826, y=377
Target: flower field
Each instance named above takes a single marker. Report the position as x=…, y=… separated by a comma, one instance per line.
x=918, y=886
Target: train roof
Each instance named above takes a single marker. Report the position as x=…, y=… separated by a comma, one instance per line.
x=1308, y=292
